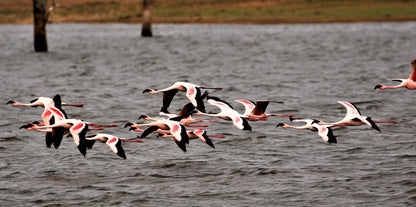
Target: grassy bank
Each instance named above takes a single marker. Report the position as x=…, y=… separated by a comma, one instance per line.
x=217, y=11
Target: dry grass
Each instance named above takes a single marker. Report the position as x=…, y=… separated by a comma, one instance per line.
x=218, y=11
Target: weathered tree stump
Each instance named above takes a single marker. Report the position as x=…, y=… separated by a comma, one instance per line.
x=147, y=18
x=40, y=17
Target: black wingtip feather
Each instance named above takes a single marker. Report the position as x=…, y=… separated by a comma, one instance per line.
x=148, y=131
x=246, y=125
x=181, y=144
x=331, y=138
x=48, y=139
x=120, y=150
x=373, y=125
x=209, y=141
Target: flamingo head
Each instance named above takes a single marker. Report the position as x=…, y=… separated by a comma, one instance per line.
x=128, y=124
x=315, y=121
x=132, y=128
x=147, y=90
x=196, y=112
x=378, y=86
x=280, y=124
x=143, y=116
x=26, y=126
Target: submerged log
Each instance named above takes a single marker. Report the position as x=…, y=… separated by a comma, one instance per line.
x=147, y=18
x=40, y=17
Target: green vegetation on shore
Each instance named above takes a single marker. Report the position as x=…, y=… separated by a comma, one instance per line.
x=218, y=11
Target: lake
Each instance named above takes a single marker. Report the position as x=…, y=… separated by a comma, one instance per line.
x=308, y=67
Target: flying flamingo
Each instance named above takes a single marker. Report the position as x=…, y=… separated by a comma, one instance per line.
x=41, y=101
x=409, y=83
x=177, y=130
x=255, y=111
x=184, y=120
x=197, y=133
x=324, y=131
x=76, y=127
x=185, y=115
x=193, y=93
x=203, y=136
x=192, y=134
x=111, y=141
x=52, y=112
x=47, y=103
x=47, y=116
x=145, y=117
x=31, y=127
x=354, y=118
x=227, y=113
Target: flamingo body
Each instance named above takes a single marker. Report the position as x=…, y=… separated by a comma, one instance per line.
x=202, y=135
x=227, y=113
x=113, y=142
x=176, y=129
x=193, y=93
x=52, y=112
x=76, y=127
x=324, y=131
x=353, y=117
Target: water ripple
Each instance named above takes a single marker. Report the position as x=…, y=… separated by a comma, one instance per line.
x=308, y=67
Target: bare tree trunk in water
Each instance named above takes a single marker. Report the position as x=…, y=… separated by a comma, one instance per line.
x=147, y=18
x=40, y=16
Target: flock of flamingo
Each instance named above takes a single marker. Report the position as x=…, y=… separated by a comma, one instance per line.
x=55, y=122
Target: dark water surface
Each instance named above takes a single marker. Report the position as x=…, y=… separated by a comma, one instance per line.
x=308, y=67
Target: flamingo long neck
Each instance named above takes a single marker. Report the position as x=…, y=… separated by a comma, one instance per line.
x=392, y=87
x=57, y=124
x=43, y=130
x=23, y=104
x=338, y=123
x=159, y=124
x=295, y=127
x=219, y=115
x=127, y=140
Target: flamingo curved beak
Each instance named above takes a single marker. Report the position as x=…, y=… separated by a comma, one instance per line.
x=377, y=86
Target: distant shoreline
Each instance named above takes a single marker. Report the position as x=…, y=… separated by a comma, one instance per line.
x=217, y=12
x=185, y=21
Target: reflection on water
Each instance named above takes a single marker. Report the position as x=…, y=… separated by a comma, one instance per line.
x=307, y=67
